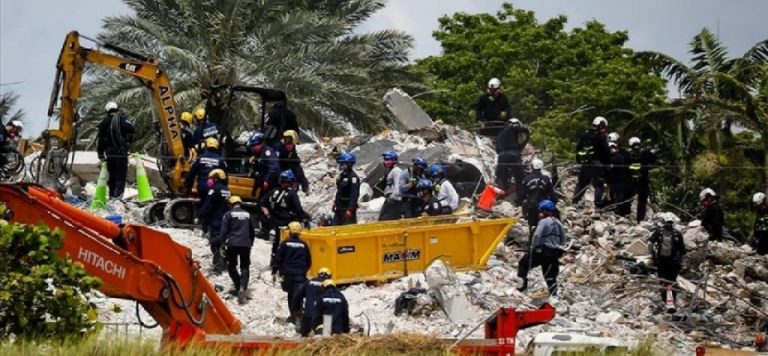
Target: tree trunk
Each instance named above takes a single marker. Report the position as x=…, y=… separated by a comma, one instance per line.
x=765, y=162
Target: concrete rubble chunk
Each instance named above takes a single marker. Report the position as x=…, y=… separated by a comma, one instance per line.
x=612, y=317
x=449, y=292
x=409, y=114
x=638, y=248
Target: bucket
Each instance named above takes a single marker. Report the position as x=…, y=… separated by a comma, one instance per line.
x=117, y=219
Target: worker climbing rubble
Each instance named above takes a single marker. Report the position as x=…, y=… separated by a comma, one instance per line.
x=347, y=191
x=536, y=188
x=493, y=105
x=712, y=218
x=292, y=261
x=545, y=249
x=308, y=294
x=510, y=143
x=592, y=154
x=212, y=212
x=667, y=248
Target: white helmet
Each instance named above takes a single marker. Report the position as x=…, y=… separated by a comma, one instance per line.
x=17, y=124
x=758, y=198
x=515, y=122
x=614, y=137
x=110, y=106
x=537, y=163
x=634, y=141
x=494, y=83
x=599, y=120
x=706, y=192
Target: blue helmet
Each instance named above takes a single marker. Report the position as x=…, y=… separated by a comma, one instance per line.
x=420, y=162
x=287, y=176
x=547, y=205
x=347, y=157
x=436, y=170
x=256, y=138
x=424, y=184
x=390, y=155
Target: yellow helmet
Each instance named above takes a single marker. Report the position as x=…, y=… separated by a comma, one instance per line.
x=211, y=142
x=218, y=173
x=294, y=227
x=186, y=117
x=199, y=113
x=234, y=200
x=328, y=282
x=324, y=270
x=293, y=135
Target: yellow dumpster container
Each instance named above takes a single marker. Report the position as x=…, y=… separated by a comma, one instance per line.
x=392, y=249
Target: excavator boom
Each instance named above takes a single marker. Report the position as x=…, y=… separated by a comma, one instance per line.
x=133, y=261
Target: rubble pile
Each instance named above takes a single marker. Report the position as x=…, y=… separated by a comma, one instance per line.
x=607, y=285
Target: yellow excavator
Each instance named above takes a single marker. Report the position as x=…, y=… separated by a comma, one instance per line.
x=173, y=165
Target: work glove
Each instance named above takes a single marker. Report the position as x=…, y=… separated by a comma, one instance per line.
x=348, y=213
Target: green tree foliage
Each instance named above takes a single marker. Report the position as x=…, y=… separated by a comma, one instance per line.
x=7, y=102
x=332, y=74
x=41, y=295
x=562, y=79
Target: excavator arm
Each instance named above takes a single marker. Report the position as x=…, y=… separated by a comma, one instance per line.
x=133, y=261
x=69, y=72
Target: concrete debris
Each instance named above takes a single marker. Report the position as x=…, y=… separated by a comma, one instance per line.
x=409, y=114
x=607, y=283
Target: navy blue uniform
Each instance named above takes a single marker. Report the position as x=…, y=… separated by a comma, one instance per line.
x=332, y=302
x=266, y=169
x=210, y=214
x=205, y=130
x=186, y=139
x=115, y=138
x=713, y=221
x=284, y=206
x=617, y=177
x=237, y=231
x=310, y=292
x=432, y=207
x=536, y=187
x=347, y=194
x=289, y=160
x=489, y=107
x=592, y=153
x=282, y=120
x=509, y=145
x=410, y=201
x=204, y=164
x=293, y=261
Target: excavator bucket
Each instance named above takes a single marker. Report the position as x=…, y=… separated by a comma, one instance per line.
x=387, y=250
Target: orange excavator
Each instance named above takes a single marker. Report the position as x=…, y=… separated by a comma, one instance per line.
x=138, y=263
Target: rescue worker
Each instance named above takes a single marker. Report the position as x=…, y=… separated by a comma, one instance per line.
x=509, y=145
x=493, y=105
x=409, y=191
x=761, y=223
x=293, y=260
x=667, y=248
x=115, y=137
x=281, y=206
x=9, y=135
x=289, y=159
x=205, y=128
x=396, y=178
x=204, y=164
x=639, y=162
x=444, y=189
x=309, y=292
x=617, y=177
x=592, y=154
x=187, y=133
x=713, y=218
x=536, y=188
x=265, y=167
x=429, y=205
x=545, y=248
x=332, y=302
x=237, y=234
x=347, y=191
x=278, y=120
x=614, y=137
x=212, y=212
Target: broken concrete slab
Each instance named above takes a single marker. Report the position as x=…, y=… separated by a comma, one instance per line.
x=449, y=292
x=638, y=248
x=407, y=112
x=611, y=318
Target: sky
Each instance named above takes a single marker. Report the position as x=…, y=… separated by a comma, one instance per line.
x=31, y=31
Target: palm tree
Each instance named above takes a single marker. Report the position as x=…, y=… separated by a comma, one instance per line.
x=7, y=102
x=331, y=74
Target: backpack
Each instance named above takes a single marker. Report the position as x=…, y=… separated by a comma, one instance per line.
x=666, y=245
x=536, y=190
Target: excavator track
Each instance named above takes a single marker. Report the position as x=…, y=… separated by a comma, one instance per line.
x=182, y=212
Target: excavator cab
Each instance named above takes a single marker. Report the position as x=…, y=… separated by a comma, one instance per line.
x=220, y=99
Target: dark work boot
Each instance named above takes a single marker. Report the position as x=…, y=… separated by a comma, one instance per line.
x=523, y=287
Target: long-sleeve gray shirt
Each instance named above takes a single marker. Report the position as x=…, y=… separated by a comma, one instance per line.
x=395, y=180
x=549, y=232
